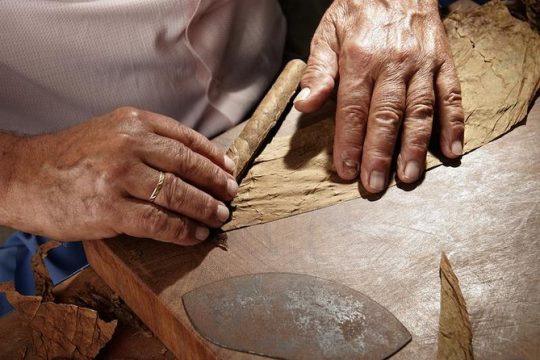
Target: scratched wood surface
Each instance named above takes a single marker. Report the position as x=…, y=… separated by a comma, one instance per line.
x=483, y=213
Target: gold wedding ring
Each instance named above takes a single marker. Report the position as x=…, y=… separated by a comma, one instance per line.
x=158, y=187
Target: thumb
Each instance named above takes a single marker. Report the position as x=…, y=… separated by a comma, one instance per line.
x=320, y=76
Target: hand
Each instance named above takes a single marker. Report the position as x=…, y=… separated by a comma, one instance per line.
x=94, y=180
x=394, y=67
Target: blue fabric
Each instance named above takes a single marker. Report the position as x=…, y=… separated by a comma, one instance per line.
x=65, y=260
x=16, y=263
x=445, y=3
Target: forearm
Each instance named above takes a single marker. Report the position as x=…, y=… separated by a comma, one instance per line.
x=10, y=154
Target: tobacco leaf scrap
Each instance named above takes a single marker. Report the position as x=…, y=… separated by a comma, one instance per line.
x=455, y=332
x=59, y=330
x=498, y=62
x=41, y=275
x=87, y=289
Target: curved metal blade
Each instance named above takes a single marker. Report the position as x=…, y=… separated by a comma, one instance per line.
x=294, y=316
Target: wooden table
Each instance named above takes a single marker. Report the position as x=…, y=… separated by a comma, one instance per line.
x=483, y=213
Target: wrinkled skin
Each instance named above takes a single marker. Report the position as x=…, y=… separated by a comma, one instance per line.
x=94, y=180
x=395, y=70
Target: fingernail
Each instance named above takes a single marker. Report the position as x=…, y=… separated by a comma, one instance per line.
x=377, y=180
x=351, y=168
x=222, y=213
x=229, y=163
x=302, y=95
x=412, y=170
x=201, y=233
x=232, y=187
x=457, y=148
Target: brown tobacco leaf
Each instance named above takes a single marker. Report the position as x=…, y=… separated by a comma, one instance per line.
x=15, y=338
x=87, y=289
x=455, y=332
x=41, y=274
x=59, y=330
x=498, y=63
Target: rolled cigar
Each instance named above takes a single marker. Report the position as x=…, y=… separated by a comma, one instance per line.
x=265, y=117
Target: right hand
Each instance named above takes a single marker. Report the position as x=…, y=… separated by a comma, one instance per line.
x=94, y=181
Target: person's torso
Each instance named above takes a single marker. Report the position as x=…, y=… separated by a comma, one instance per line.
x=204, y=63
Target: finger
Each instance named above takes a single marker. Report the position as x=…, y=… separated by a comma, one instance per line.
x=417, y=127
x=385, y=114
x=176, y=196
x=172, y=156
x=354, y=96
x=451, y=117
x=148, y=220
x=319, y=78
x=167, y=127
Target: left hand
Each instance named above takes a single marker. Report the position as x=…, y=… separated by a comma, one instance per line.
x=394, y=66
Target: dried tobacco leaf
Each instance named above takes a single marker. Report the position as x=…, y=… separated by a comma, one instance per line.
x=42, y=278
x=59, y=330
x=498, y=63
x=455, y=332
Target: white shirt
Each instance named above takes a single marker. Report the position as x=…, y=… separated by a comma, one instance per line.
x=203, y=62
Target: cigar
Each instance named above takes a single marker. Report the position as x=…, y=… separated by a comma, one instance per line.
x=265, y=118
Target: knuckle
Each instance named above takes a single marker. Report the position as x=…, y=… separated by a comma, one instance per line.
x=421, y=110
x=181, y=153
x=125, y=142
x=402, y=54
x=220, y=179
x=416, y=146
x=387, y=118
x=217, y=174
x=316, y=74
x=181, y=230
x=404, y=62
x=115, y=172
x=131, y=120
x=210, y=149
x=455, y=117
x=456, y=121
x=439, y=58
x=314, y=69
x=190, y=163
x=188, y=139
x=356, y=52
x=431, y=60
x=208, y=207
x=355, y=115
x=353, y=49
x=418, y=139
x=174, y=192
x=154, y=221
x=452, y=99
x=128, y=112
x=417, y=129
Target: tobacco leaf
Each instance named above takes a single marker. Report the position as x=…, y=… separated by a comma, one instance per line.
x=58, y=330
x=15, y=338
x=87, y=289
x=41, y=275
x=455, y=332
x=498, y=62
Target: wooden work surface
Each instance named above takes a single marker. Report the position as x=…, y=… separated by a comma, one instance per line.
x=483, y=213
